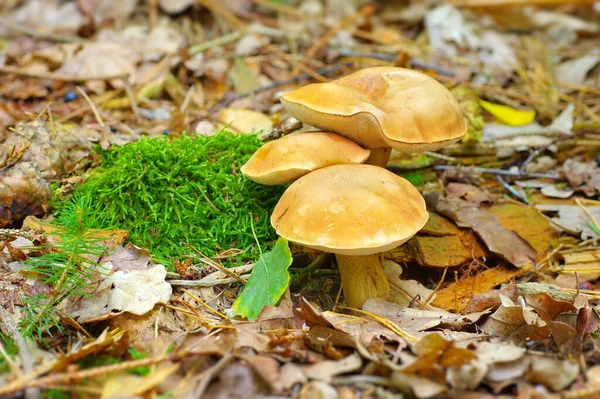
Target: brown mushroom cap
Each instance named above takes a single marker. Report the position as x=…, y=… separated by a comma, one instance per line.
x=382, y=107
x=290, y=157
x=350, y=210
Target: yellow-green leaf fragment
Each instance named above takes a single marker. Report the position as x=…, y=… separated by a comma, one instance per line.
x=267, y=283
x=508, y=115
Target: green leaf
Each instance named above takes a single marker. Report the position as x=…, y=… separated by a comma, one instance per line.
x=267, y=283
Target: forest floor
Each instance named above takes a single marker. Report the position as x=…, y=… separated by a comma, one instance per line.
x=128, y=234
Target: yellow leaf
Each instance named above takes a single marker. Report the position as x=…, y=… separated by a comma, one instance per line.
x=508, y=115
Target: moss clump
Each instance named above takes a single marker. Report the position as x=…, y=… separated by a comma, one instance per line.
x=169, y=193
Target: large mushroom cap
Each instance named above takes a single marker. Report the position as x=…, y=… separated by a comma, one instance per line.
x=350, y=210
x=382, y=107
x=290, y=157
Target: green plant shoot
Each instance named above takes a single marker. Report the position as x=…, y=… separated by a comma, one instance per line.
x=267, y=283
x=68, y=269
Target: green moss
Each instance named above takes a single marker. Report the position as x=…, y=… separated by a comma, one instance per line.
x=173, y=192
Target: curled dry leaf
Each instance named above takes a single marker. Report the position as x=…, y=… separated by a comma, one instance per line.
x=361, y=329
x=436, y=356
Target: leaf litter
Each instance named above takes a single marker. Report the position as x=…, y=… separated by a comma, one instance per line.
x=127, y=106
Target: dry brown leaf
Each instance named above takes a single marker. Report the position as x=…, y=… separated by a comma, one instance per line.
x=439, y=244
x=415, y=321
x=325, y=371
x=134, y=385
x=436, y=355
x=237, y=381
x=455, y=296
x=516, y=323
x=420, y=387
x=245, y=120
x=529, y=224
x=551, y=372
x=500, y=240
x=361, y=330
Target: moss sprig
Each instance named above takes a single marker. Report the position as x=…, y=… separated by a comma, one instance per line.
x=173, y=192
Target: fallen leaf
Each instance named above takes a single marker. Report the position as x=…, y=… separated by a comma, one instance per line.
x=574, y=71
x=500, y=240
x=245, y=120
x=129, y=257
x=529, y=224
x=573, y=218
x=531, y=135
x=325, y=371
x=237, y=381
x=436, y=355
x=361, y=329
x=133, y=385
x=267, y=283
x=508, y=115
x=318, y=389
x=133, y=291
x=552, y=372
x=455, y=296
x=242, y=77
x=415, y=321
x=516, y=323
x=422, y=388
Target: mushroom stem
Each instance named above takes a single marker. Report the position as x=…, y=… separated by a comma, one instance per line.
x=363, y=277
x=379, y=156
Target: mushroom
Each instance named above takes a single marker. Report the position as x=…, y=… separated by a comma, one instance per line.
x=356, y=212
x=382, y=108
x=292, y=156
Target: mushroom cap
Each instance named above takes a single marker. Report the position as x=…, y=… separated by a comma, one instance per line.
x=382, y=107
x=350, y=210
x=290, y=157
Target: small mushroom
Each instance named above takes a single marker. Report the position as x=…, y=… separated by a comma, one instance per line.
x=382, y=108
x=356, y=212
x=290, y=157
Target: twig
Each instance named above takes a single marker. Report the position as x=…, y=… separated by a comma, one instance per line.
x=206, y=260
x=430, y=296
x=204, y=305
x=39, y=35
x=304, y=76
x=219, y=41
x=441, y=156
x=588, y=213
x=92, y=106
x=9, y=328
x=362, y=379
x=511, y=190
x=132, y=100
x=366, y=10
x=217, y=8
x=70, y=377
x=295, y=63
x=501, y=172
x=205, y=283
x=210, y=374
x=386, y=323
x=58, y=76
